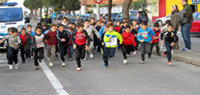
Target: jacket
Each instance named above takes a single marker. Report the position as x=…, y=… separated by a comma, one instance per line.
x=112, y=42
x=128, y=38
x=157, y=33
x=16, y=40
x=189, y=13
x=168, y=37
x=145, y=34
x=51, y=38
x=62, y=35
x=38, y=40
x=81, y=38
x=26, y=41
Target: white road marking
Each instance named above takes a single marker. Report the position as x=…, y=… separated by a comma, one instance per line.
x=53, y=80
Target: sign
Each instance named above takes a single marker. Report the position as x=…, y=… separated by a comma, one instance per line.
x=195, y=1
x=53, y=15
x=98, y=1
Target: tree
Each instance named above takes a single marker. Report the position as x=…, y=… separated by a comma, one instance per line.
x=110, y=9
x=141, y=4
x=125, y=9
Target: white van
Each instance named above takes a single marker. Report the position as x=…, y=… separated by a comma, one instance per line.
x=11, y=15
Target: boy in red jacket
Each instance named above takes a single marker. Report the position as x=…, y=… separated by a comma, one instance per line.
x=128, y=42
x=155, y=40
x=81, y=42
x=51, y=42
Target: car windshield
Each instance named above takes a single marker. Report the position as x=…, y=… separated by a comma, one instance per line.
x=11, y=14
x=132, y=13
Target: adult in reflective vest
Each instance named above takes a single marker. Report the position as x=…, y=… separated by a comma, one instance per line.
x=47, y=19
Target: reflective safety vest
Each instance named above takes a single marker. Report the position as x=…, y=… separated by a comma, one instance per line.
x=46, y=18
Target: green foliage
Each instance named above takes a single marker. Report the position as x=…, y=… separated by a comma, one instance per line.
x=140, y=4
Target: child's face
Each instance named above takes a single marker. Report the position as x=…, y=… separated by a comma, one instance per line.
x=73, y=26
x=69, y=25
x=110, y=28
x=38, y=31
x=134, y=23
x=44, y=27
x=80, y=29
x=61, y=28
x=156, y=28
x=64, y=20
x=128, y=30
x=9, y=32
x=53, y=29
x=29, y=29
x=98, y=23
x=92, y=20
x=86, y=24
x=144, y=27
x=118, y=23
x=102, y=24
x=15, y=34
x=170, y=28
x=23, y=32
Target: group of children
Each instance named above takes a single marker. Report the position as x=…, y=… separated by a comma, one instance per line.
x=65, y=38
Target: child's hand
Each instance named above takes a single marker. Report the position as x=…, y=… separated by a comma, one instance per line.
x=162, y=41
x=0, y=41
x=172, y=44
x=74, y=46
x=15, y=44
x=63, y=40
x=102, y=43
x=38, y=46
x=110, y=36
x=86, y=48
x=141, y=41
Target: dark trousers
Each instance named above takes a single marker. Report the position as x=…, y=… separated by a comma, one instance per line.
x=168, y=51
x=12, y=55
x=126, y=49
x=39, y=55
x=185, y=30
x=157, y=47
x=80, y=54
x=22, y=53
x=137, y=44
x=108, y=53
x=145, y=48
x=70, y=51
x=63, y=52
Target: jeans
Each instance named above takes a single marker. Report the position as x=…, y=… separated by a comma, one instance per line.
x=70, y=51
x=12, y=55
x=145, y=48
x=185, y=30
x=108, y=53
x=168, y=51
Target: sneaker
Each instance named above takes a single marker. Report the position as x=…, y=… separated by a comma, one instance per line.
x=163, y=54
x=36, y=67
x=10, y=67
x=142, y=62
x=185, y=49
x=40, y=60
x=106, y=66
x=50, y=64
x=135, y=52
x=91, y=55
x=63, y=64
x=125, y=61
x=16, y=66
x=85, y=59
x=78, y=69
x=169, y=63
x=172, y=52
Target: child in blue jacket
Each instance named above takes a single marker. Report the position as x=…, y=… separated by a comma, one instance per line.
x=144, y=37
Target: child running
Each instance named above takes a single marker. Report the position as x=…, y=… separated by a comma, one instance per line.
x=51, y=42
x=110, y=40
x=168, y=38
x=63, y=39
x=38, y=45
x=144, y=36
x=155, y=40
x=81, y=41
x=128, y=42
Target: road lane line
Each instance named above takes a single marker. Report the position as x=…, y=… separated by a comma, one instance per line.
x=53, y=80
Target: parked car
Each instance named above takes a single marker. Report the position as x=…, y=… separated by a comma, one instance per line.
x=195, y=29
x=60, y=16
x=113, y=15
x=134, y=15
x=162, y=20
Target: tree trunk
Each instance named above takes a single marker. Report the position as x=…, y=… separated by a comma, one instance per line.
x=109, y=9
x=36, y=15
x=125, y=9
x=31, y=14
x=41, y=12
